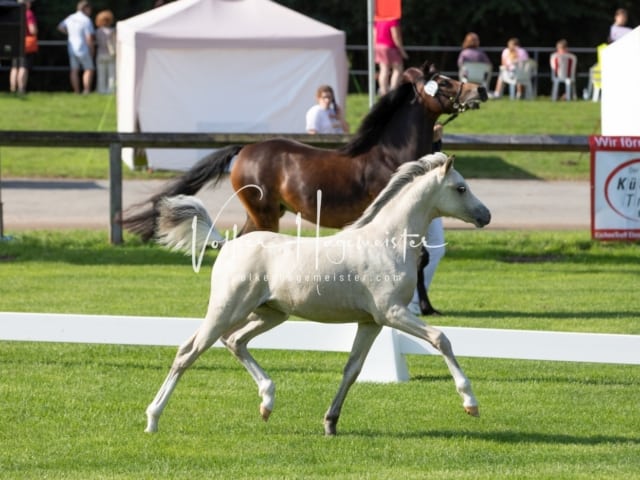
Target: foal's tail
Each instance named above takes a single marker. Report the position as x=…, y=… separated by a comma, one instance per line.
x=184, y=223
x=209, y=169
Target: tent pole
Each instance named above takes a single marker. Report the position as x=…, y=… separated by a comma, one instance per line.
x=372, y=63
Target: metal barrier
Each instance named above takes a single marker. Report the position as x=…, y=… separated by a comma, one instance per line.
x=445, y=57
x=115, y=141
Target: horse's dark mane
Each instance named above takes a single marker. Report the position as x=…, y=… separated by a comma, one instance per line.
x=404, y=175
x=376, y=120
x=371, y=128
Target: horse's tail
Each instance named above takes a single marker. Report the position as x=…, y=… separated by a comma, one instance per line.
x=183, y=222
x=209, y=169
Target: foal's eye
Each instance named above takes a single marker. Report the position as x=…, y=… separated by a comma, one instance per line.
x=461, y=189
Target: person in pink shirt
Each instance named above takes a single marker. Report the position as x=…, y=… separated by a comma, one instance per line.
x=389, y=53
x=511, y=56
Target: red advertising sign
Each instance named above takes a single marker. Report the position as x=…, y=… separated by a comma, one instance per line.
x=615, y=188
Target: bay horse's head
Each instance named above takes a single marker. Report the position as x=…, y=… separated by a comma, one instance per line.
x=441, y=94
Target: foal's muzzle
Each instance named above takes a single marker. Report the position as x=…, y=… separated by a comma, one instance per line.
x=482, y=217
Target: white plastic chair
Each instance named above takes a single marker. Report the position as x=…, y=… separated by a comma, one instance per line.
x=563, y=70
x=475, y=72
x=523, y=74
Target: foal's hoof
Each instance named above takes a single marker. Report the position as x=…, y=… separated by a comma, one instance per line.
x=264, y=413
x=473, y=411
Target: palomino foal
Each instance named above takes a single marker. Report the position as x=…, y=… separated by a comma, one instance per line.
x=260, y=279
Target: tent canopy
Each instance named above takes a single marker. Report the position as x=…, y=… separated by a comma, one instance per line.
x=225, y=66
x=620, y=77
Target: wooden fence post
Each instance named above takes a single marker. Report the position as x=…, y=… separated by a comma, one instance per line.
x=115, y=193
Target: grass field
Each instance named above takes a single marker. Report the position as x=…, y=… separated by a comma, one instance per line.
x=68, y=112
x=77, y=411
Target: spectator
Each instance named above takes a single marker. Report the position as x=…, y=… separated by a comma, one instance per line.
x=20, y=66
x=471, y=51
x=326, y=115
x=105, y=52
x=562, y=47
x=619, y=28
x=509, y=60
x=81, y=44
x=471, y=54
x=389, y=53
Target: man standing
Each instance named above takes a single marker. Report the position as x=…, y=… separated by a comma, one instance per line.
x=79, y=29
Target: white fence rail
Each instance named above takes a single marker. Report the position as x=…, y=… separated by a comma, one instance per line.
x=386, y=362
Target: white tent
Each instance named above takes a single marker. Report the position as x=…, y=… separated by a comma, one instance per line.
x=620, y=77
x=225, y=66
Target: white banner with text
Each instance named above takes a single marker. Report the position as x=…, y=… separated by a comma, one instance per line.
x=615, y=188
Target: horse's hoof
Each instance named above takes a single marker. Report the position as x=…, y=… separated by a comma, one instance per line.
x=264, y=413
x=473, y=411
x=330, y=429
x=430, y=311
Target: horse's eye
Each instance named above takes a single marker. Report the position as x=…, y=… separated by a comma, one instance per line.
x=461, y=189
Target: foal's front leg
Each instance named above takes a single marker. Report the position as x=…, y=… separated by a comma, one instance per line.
x=399, y=316
x=365, y=336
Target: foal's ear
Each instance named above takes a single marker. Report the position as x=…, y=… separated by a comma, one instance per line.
x=448, y=165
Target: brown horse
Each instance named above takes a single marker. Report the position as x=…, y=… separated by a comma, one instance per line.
x=398, y=129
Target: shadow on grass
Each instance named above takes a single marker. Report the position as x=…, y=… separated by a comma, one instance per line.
x=546, y=315
x=16, y=251
x=517, y=437
x=490, y=166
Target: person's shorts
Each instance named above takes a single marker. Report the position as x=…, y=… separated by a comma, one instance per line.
x=83, y=61
x=23, y=62
x=388, y=55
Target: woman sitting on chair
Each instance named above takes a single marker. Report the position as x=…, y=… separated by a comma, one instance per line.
x=511, y=56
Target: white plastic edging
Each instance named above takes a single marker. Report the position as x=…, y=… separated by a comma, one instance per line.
x=385, y=363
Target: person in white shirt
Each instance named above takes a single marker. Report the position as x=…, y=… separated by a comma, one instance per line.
x=619, y=28
x=81, y=44
x=326, y=116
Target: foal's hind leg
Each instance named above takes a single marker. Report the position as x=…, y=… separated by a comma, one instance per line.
x=260, y=321
x=188, y=353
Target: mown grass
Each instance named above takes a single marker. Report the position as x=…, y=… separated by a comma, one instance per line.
x=503, y=279
x=68, y=112
x=77, y=412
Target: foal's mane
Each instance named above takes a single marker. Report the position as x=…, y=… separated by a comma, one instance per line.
x=376, y=121
x=405, y=174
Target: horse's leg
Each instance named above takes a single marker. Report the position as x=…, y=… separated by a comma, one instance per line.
x=188, y=352
x=401, y=318
x=423, y=296
x=365, y=336
x=209, y=331
x=260, y=321
x=420, y=302
x=263, y=211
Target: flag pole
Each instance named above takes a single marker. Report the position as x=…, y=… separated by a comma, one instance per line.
x=372, y=63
